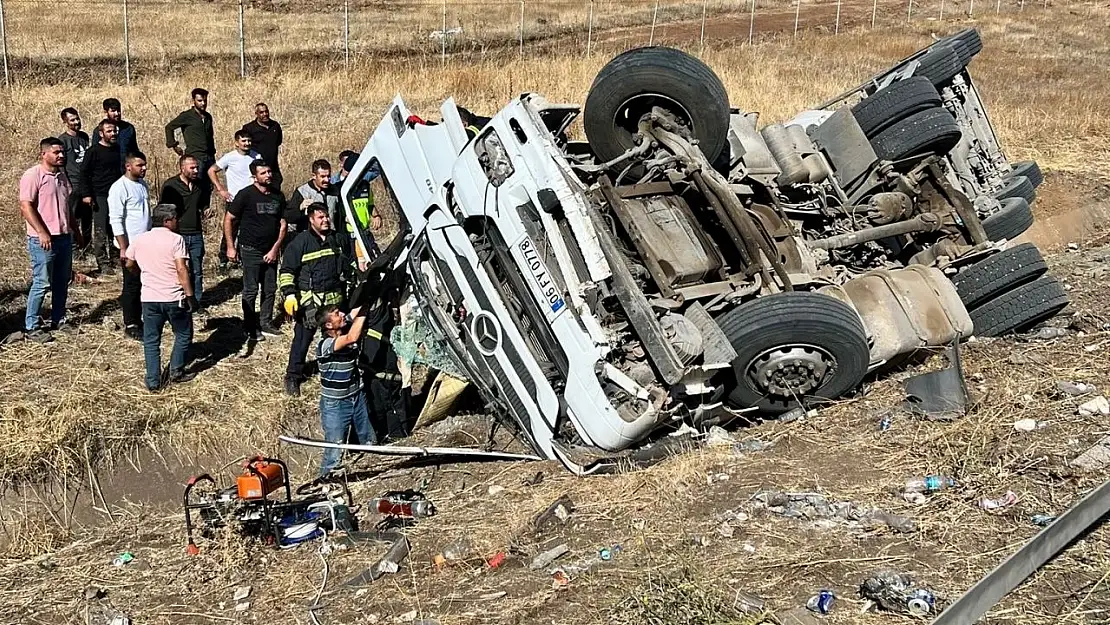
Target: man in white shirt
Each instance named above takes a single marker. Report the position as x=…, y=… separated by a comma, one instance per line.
x=236, y=167
x=129, y=216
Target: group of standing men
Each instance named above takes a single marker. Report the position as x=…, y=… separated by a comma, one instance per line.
x=91, y=194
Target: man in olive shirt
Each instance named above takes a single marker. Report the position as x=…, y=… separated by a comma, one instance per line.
x=265, y=134
x=259, y=211
x=185, y=193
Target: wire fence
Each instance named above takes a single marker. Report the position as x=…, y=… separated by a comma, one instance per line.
x=137, y=36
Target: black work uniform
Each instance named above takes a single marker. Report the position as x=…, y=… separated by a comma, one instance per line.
x=313, y=268
x=388, y=401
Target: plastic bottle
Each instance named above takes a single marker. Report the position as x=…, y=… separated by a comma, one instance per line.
x=822, y=602
x=929, y=484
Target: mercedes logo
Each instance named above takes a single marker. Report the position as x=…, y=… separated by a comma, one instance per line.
x=487, y=332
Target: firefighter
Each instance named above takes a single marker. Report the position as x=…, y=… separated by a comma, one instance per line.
x=387, y=401
x=314, y=270
x=362, y=208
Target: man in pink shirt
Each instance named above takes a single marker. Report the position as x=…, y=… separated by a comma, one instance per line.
x=44, y=202
x=167, y=295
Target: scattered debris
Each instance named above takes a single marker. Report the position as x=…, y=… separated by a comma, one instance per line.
x=1095, y=458
x=607, y=553
x=555, y=515
x=1028, y=425
x=718, y=437
x=241, y=593
x=896, y=592
x=1047, y=333
x=242, y=606
x=120, y=619
x=822, y=602
x=726, y=530
x=749, y=603
x=886, y=421
x=797, y=414
x=1005, y=501
x=1042, y=520
x=929, y=484
x=454, y=551
x=389, y=563
x=497, y=559
x=543, y=560
x=813, y=506
x=1074, y=389
x=1097, y=406
x=532, y=480
x=123, y=559
x=939, y=395
x=92, y=593
x=495, y=490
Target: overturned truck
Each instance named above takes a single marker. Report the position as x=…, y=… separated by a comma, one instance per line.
x=684, y=264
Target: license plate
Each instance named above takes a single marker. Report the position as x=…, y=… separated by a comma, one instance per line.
x=547, y=291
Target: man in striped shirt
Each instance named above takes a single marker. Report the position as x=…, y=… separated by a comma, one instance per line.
x=342, y=402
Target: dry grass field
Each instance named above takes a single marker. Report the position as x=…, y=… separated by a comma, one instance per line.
x=77, y=407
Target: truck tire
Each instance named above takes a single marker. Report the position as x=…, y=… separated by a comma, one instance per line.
x=630, y=84
x=793, y=346
x=1012, y=219
x=896, y=102
x=940, y=63
x=932, y=131
x=1018, y=186
x=1020, y=308
x=967, y=43
x=996, y=274
x=1029, y=169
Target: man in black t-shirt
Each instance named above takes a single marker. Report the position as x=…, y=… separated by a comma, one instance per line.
x=266, y=138
x=258, y=213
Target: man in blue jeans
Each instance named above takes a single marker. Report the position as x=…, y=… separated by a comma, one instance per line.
x=184, y=191
x=342, y=402
x=44, y=202
x=167, y=296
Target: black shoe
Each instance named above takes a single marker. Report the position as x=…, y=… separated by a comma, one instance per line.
x=181, y=377
x=38, y=335
x=257, y=336
x=134, y=333
x=292, y=386
x=270, y=329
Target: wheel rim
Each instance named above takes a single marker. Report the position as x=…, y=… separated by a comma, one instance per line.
x=791, y=370
x=631, y=110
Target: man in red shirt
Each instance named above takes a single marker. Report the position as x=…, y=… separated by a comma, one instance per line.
x=44, y=202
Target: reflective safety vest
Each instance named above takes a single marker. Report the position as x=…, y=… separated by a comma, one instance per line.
x=314, y=270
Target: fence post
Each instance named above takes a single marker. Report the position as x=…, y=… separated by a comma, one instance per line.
x=522, y=29
x=836, y=28
x=443, y=39
x=242, y=45
x=346, y=34
x=797, y=16
x=654, y=16
x=4, y=41
x=1022, y=6
x=998, y=6
x=909, y=11
x=971, y=9
x=942, y=10
x=590, y=30
x=704, y=9
x=126, y=46
x=751, y=25
x=875, y=10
